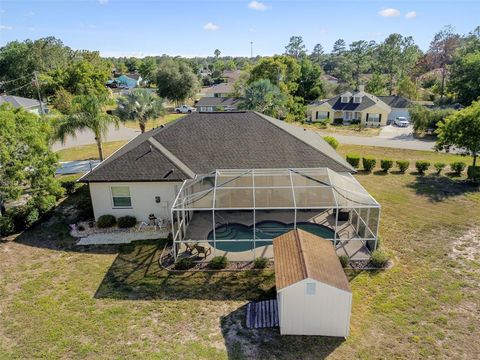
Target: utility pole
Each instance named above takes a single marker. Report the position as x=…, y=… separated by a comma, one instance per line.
x=37, y=85
x=251, y=49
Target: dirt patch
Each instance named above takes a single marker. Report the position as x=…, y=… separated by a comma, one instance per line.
x=467, y=247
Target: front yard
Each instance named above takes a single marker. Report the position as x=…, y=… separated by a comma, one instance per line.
x=57, y=300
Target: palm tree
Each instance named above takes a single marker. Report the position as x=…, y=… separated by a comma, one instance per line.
x=140, y=105
x=90, y=114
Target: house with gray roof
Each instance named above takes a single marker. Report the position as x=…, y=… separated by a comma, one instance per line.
x=211, y=104
x=144, y=176
x=30, y=105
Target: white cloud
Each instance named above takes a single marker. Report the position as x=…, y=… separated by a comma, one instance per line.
x=102, y=2
x=5, y=27
x=411, y=15
x=390, y=12
x=259, y=6
x=211, y=26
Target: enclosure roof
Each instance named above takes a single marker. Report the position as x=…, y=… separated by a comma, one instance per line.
x=300, y=255
x=311, y=188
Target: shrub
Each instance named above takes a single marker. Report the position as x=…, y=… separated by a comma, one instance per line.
x=127, y=221
x=379, y=258
x=218, y=262
x=23, y=216
x=343, y=260
x=260, y=263
x=69, y=184
x=439, y=166
x=403, y=165
x=7, y=226
x=320, y=124
x=386, y=164
x=331, y=141
x=355, y=122
x=338, y=121
x=369, y=163
x=458, y=167
x=422, y=166
x=354, y=160
x=43, y=203
x=473, y=173
x=106, y=221
x=184, y=264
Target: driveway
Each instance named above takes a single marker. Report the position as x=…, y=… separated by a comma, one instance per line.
x=390, y=136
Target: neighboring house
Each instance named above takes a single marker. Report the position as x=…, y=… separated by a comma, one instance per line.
x=231, y=76
x=356, y=105
x=219, y=90
x=130, y=80
x=211, y=104
x=399, y=106
x=145, y=175
x=30, y=105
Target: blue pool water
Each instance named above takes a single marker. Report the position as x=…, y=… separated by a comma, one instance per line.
x=264, y=230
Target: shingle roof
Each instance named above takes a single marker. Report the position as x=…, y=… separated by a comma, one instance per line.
x=337, y=104
x=300, y=255
x=395, y=101
x=18, y=101
x=218, y=101
x=222, y=88
x=203, y=142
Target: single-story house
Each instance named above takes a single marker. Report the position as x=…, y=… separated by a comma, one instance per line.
x=313, y=293
x=369, y=109
x=30, y=105
x=130, y=80
x=231, y=76
x=221, y=177
x=219, y=90
x=211, y=104
x=399, y=106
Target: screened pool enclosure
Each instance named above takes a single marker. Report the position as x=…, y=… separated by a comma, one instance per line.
x=238, y=212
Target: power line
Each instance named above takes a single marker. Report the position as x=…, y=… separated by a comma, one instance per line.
x=18, y=88
x=22, y=77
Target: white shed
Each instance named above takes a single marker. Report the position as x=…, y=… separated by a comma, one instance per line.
x=313, y=293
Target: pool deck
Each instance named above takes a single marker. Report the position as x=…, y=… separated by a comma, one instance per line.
x=201, y=225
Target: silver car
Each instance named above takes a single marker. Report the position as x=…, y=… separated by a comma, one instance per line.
x=401, y=121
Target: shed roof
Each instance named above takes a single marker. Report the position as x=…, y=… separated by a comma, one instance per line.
x=300, y=255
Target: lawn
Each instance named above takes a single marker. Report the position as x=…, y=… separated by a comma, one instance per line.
x=155, y=122
x=89, y=152
x=59, y=301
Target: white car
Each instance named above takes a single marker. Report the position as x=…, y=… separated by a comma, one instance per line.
x=401, y=121
x=185, y=109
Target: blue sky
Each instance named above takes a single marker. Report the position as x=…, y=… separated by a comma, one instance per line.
x=188, y=28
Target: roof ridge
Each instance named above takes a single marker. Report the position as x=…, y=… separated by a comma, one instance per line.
x=175, y=160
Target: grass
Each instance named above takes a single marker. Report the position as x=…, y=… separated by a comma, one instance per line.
x=354, y=130
x=60, y=301
x=89, y=152
x=155, y=122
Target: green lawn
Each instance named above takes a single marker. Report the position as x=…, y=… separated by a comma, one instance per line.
x=59, y=301
x=155, y=122
x=89, y=152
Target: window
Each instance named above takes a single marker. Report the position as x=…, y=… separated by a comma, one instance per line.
x=373, y=118
x=345, y=99
x=311, y=288
x=347, y=115
x=321, y=115
x=121, y=197
x=357, y=99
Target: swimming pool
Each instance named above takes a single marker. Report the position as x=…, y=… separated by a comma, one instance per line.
x=263, y=230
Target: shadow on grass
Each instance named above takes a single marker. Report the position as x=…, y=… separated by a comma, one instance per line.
x=439, y=188
x=243, y=343
x=136, y=275
x=380, y=173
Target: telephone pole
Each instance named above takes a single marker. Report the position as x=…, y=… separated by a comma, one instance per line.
x=37, y=85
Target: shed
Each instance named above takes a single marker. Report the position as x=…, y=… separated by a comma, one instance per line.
x=313, y=293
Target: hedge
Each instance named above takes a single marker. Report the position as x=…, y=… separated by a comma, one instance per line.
x=439, y=166
x=458, y=167
x=331, y=141
x=184, y=264
x=106, y=221
x=218, y=262
x=260, y=263
x=403, y=165
x=422, y=166
x=369, y=163
x=127, y=221
x=379, y=258
x=354, y=160
x=386, y=164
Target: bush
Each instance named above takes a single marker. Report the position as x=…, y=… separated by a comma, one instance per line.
x=338, y=121
x=403, y=165
x=43, y=203
x=260, y=263
x=70, y=184
x=23, y=216
x=386, y=164
x=106, y=221
x=331, y=141
x=343, y=260
x=369, y=163
x=473, y=173
x=458, y=167
x=7, y=226
x=422, y=166
x=218, y=262
x=355, y=121
x=127, y=221
x=439, y=166
x=379, y=258
x=184, y=264
x=354, y=160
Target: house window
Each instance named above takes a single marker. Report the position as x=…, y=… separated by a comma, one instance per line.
x=358, y=115
x=347, y=115
x=321, y=115
x=357, y=99
x=345, y=99
x=121, y=197
x=311, y=288
x=373, y=118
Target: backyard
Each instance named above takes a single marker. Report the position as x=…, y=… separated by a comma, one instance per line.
x=57, y=300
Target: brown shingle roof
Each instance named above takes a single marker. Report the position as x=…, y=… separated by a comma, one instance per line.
x=300, y=255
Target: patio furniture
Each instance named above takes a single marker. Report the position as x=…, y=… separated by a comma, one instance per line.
x=190, y=247
x=205, y=250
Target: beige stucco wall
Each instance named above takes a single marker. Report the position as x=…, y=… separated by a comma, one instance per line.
x=326, y=313
x=142, y=195
x=375, y=109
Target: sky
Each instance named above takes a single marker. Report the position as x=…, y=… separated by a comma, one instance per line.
x=196, y=28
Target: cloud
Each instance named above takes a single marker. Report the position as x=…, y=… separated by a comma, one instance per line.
x=390, y=12
x=30, y=14
x=259, y=6
x=102, y=2
x=211, y=26
x=411, y=15
x=5, y=27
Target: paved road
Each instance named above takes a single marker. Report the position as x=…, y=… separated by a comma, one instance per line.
x=390, y=136
x=86, y=137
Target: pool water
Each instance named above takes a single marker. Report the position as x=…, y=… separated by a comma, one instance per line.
x=264, y=230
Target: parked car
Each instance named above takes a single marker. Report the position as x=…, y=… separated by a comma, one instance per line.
x=401, y=121
x=184, y=109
